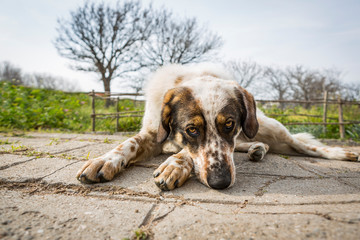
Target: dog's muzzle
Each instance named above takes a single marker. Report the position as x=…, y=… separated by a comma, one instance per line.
x=219, y=177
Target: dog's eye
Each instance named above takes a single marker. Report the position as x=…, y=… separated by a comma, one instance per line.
x=229, y=125
x=193, y=131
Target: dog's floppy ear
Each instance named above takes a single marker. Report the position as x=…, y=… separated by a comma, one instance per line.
x=166, y=111
x=249, y=123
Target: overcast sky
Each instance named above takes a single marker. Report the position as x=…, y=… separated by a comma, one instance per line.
x=317, y=34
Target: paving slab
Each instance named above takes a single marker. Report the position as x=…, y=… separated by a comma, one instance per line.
x=43, y=145
x=352, y=181
x=272, y=164
x=65, y=174
x=330, y=167
x=285, y=191
x=227, y=222
x=34, y=169
x=10, y=159
x=280, y=197
x=25, y=216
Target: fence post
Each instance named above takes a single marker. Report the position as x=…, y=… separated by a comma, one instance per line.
x=117, y=114
x=93, y=110
x=341, y=119
x=325, y=111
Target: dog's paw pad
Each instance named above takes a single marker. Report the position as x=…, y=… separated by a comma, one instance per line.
x=101, y=177
x=83, y=178
x=256, y=153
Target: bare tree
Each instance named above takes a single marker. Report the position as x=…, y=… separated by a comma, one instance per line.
x=310, y=84
x=246, y=73
x=8, y=72
x=137, y=83
x=350, y=91
x=102, y=39
x=305, y=84
x=178, y=41
x=276, y=79
x=330, y=81
x=41, y=80
x=47, y=81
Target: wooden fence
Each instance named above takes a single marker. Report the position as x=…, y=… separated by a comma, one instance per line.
x=117, y=115
x=325, y=102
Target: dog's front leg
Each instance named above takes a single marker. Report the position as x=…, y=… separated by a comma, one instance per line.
x=104, y=168
x=174, y=171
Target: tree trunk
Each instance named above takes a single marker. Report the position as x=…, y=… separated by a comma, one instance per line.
x=281, y=97
x=107, y=92
x=307, y=105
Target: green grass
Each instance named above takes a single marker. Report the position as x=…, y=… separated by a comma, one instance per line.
x=24, y=108
x=350, y=112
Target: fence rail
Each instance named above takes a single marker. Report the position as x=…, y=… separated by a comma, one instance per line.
x=325, y=101
x=329, y=101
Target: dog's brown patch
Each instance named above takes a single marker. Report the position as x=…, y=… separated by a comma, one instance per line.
x=132, y=149
x=180, y=162
x=197, y=120
x=179, y=108
x=352, y=156
x=178, y=155
x=168, y=96
x=205, y=165
x=313, y=149
x=179, y=80
x=249, y=123
x=146, y=146
x=221, y=119
x=166, y=113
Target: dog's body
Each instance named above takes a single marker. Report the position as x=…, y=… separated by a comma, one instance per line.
x=207, y=117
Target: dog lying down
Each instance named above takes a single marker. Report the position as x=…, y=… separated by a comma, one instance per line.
x=207, y=116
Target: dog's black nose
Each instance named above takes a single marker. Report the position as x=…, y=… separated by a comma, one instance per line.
x=219, y=183
x=219, y=178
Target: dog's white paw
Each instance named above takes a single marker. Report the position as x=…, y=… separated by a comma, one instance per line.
x=257, y=152
x=352, y=156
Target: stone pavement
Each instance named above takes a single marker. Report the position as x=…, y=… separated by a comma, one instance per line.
x=281, y=197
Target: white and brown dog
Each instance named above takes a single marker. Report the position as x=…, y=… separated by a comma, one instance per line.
x=208, y=117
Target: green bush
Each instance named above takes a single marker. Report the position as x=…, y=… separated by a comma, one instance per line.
x=31, y=109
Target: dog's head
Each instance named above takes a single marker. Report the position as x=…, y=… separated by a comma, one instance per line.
x=205, y=118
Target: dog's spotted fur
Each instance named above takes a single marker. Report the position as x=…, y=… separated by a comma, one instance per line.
x=207, y=117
